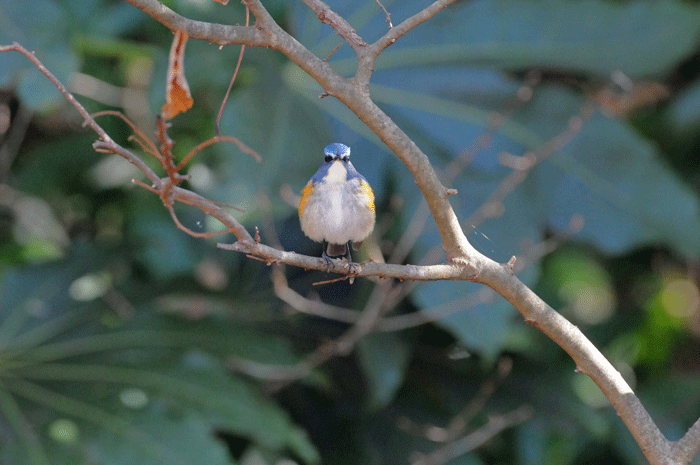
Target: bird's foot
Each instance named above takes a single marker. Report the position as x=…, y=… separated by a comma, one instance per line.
x=353, y=270
x=328, y=261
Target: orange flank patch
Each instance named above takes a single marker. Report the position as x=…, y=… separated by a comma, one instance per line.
x=177, y=91
x=305, y=194
x=368, y=191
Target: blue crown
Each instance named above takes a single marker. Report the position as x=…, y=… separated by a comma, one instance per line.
x=337, y=150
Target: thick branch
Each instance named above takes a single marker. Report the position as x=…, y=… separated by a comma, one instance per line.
x=337, y=22
x=689, y=445
x=588, y=360
x=220, y=33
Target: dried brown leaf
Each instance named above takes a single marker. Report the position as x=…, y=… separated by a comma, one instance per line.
x=177, y=91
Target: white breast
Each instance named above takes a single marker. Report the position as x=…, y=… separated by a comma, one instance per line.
x=336, y=177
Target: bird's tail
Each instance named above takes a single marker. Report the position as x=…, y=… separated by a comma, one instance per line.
x=337, y=250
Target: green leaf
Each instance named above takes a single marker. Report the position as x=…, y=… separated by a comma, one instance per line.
x=637, y=38
x=682, y=115
x=384, y=358
x=626, y=195
x=183, y=438
x=94, y=380
x=164, y=250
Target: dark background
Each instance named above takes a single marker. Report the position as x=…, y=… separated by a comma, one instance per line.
x=118, y=329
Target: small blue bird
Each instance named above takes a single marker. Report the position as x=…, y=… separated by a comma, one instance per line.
x=337, y=205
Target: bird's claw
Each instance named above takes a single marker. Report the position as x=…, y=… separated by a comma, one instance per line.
x=328, y=261
x=353, y=270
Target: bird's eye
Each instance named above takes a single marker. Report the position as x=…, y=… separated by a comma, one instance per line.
x=346, y=158
x=328, y=158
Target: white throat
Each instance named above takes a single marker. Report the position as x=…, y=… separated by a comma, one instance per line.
x=337, y=172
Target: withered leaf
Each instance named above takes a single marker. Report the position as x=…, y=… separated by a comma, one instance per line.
x=177, y=91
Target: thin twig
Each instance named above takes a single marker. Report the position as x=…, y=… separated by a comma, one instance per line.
x=144, y=141
x=233, y=78
x=332, y=52
x=459, y=447
x=331, y=281
x=386, y=13
x=214, y=140
x=395, y=32
x=180, y=226
x=67, y=95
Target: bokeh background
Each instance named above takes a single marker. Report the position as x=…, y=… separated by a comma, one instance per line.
x=570, y=129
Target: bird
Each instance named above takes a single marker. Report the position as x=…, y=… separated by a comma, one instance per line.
x=337, y=204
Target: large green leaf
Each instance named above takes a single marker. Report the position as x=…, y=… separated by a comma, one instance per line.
x=139, y=390
x=384, y=358
x=594, y=36
x=446, y=107
x=624, y=192
x=176, y=437
x=682, y=115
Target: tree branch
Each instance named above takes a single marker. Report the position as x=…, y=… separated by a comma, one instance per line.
x=588, y=360
x=358, y=100
x=495, y=425
x=463, y=262
x=689, y=445
x=337, y=22
x=397, y=31
x=219, y=33
x=67, y=95
x=449, y=271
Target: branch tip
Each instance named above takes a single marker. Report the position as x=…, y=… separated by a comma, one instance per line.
x=332, y=52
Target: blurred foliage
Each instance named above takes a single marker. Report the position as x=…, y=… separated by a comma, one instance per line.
x=118, y=330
